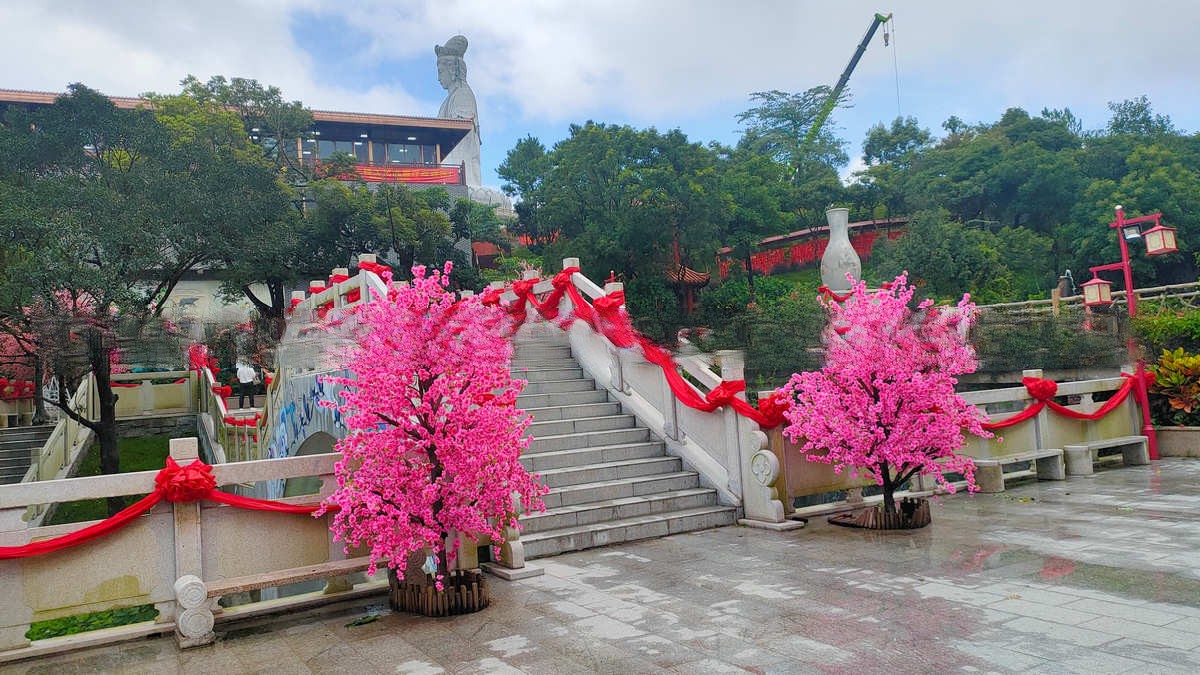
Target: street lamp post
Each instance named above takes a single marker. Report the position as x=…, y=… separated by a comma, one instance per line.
x=1162, y=242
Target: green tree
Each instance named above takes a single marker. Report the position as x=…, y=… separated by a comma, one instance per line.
x=120, y=204
x=896, y=144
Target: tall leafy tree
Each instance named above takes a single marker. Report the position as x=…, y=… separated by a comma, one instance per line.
x=118, y=205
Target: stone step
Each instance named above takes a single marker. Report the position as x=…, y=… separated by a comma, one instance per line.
x=638, y=486
x=538, y=352
x=608, y=471
x=33, y=434
x=532, y=401
x=540, y=364
x=548, y=374
x=6, y=446
x=580, y=425
x=558, y=386
x=570, y=412
x=591, y=438
x=558, y=459
x=617, y=509
x=552, y=542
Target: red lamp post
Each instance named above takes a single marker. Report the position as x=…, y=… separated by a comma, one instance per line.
x=1159, y=240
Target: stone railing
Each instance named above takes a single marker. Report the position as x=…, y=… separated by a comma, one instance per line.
x=219, y=546
x=138, y=394
x=16, y=412
x=719, y=445
x=791, y=476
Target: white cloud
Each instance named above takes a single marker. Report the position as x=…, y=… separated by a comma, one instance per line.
x=542, y=63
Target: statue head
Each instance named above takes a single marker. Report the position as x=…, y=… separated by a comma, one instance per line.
x=450, y=64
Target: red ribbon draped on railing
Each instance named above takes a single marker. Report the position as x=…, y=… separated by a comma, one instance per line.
x=1043, y=392
x=174, y=483
x=224, y=391
x=828, y=292
x=605, y=316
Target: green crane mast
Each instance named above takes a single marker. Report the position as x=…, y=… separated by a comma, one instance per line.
x=831, y=102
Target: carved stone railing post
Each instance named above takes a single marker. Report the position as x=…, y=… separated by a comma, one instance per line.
x=733, y=368
x=193, y=615
x=615, y=369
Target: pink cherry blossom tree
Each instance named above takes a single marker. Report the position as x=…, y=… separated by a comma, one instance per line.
x=884, y=403
x=435, y=436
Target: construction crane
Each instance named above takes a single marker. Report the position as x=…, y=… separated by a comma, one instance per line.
x=831, y=102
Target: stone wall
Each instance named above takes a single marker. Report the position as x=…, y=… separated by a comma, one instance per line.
x=177, y=425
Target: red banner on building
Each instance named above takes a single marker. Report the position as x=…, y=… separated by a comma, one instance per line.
x=442, y=175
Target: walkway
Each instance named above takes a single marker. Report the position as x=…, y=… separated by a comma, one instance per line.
x=1095, y=574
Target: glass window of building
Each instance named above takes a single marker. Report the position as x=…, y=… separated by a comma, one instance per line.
x=429, y=154
x=398, y=153
x=378, y=152
x=360, y=151
x=343, y=147
x=309, y=149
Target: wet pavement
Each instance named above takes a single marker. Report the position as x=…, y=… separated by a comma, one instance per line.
x=1096, y=574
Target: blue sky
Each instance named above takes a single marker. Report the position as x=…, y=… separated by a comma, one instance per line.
x=537, y=66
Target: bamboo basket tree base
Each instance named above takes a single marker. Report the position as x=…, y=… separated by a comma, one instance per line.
x=912, y=513
x=465, y=592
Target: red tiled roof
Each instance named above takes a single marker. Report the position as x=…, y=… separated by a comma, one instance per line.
x=483, y=248
x=687, y=276
x=126, y=102
x=812, y=232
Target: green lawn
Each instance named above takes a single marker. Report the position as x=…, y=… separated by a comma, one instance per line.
x=137, y=454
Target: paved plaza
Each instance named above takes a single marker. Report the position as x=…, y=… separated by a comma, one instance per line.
x=1096, y=574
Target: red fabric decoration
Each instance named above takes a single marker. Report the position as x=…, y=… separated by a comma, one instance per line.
x=338, y=278
x=1044, y=390
x=354, y=295
x=1039, y=389
x=126, y=385
x=181, y=380
x=224, y=391
x=173, y=483
x=184, y=484
x=828, y=292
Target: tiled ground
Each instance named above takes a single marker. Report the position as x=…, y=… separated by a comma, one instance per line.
x=1095, y=574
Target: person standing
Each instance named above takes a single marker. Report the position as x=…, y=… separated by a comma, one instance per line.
x=246, y=383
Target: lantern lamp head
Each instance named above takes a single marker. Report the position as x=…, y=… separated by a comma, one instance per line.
x=1097, y=293
x=1160, y=240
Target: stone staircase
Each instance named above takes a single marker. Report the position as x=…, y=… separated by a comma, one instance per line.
x=17, y=445
x=610, y=480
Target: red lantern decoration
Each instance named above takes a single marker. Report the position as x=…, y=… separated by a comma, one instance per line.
x=1097, y=293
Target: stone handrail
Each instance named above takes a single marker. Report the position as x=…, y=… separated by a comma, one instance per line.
x=142, y=563
x=718, y=445
x=794, y=477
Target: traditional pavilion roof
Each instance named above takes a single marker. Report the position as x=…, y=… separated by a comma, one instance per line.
x=686, y=276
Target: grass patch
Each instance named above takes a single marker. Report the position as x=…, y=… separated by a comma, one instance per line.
x=137, y=454
x=80, y=623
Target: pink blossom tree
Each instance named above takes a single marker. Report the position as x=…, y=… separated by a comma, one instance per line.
x=884, y=403
x=435, y=436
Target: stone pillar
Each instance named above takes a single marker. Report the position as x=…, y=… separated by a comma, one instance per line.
x=193, y=613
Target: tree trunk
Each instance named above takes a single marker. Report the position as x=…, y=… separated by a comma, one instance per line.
x=889, y=490
x=106, y=432
x=750, y=273
x=39, y=403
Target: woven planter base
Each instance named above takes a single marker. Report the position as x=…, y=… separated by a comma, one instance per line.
x=911, y=513
x=465, y=592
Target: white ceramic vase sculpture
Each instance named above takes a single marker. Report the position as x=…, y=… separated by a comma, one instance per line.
x=839, y=258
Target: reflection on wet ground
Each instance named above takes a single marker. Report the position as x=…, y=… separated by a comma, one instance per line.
x=1094, y=574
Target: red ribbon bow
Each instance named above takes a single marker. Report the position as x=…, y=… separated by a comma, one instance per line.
x=1040, y=389
x=185, y=483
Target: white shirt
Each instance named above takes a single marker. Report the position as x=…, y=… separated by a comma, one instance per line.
x=245, y=374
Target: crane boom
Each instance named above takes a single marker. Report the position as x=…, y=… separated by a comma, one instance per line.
x=831, y=102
